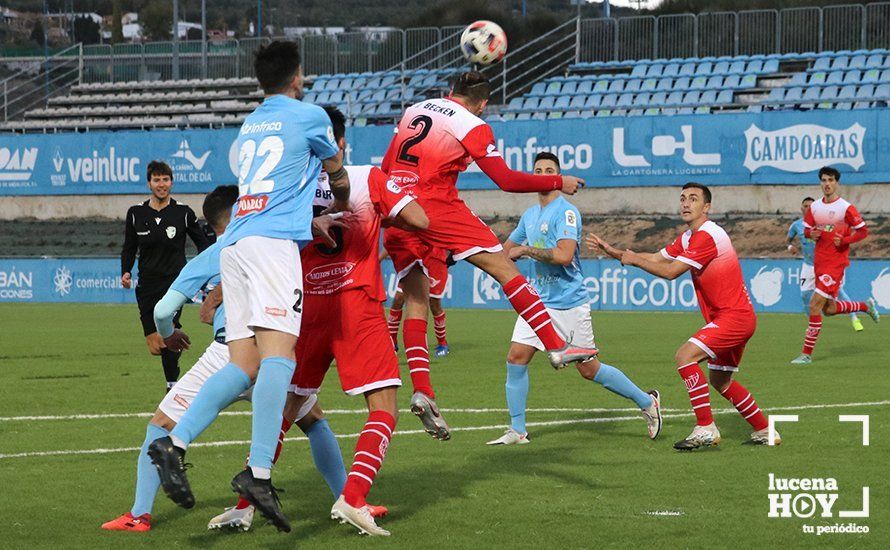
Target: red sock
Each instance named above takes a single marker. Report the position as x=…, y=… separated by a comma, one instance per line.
x=699, y=396
x=851, y=307
x=813, y=330
x=529, y=306
x=439, y=327
x=285, y=427
x=744, y=402
x=414, y=335
x=369, y=452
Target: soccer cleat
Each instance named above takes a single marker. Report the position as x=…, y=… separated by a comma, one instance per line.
x=701, y=436
x=873, y=310
x=424, y=407
x=561, y=358
x=233, y=518
x=511, y=437
x=761, y=437
x=442, y=351
x=168, y=459
x=378, y=511
x=652, y=414
x=802, y=359
x=857, y=324
x=128, y=523
x=360, y=518
x=261, y=494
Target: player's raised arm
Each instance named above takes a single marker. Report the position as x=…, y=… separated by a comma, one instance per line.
x=339, y=181
x=670, y=269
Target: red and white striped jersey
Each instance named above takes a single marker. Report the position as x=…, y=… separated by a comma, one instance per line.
x=716, y=272
x=835, y=218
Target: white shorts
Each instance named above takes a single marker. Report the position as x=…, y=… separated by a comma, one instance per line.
x=807, y=278
x=573, y=325
x=215, y=357
x=262, y=280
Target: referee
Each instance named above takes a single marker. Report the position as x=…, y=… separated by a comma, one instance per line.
x=156, y=229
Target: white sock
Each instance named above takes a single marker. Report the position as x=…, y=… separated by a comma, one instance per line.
x=261, y=473
x=178, y=442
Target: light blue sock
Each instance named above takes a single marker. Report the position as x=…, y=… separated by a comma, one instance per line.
x=216, y=394
x=806, y=296
x=327, y=457
x=269, y=395
x=517, y=395
x=147, y=480
x=617, y=382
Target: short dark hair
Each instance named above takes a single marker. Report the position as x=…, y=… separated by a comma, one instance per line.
x=805, y=199
x=472, y=85
x=338, y=121
x=158, y=168
x=704, y=190
x=547, y=155
x=218, y=204
x=829, y=171
x=275, y=65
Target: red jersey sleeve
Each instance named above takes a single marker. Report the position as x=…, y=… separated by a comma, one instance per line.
x=853, y=219
x=700, y=250
x=387, y=197
x=674, y=249
x=479, y=142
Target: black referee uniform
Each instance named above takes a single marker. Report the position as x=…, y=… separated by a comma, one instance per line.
x=159, y=238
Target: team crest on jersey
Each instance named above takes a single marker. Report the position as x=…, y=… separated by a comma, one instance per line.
x=571, y=220
x=248, y=204
x=393, y=187
x=544, y=228
x=827, y=279
x=171, y=232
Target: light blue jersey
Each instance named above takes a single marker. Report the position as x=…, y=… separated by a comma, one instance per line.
x=199, y=276
x=280, y=148
x=807, y=246
x=560, y=287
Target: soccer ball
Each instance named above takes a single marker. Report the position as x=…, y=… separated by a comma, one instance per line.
x=483, y=43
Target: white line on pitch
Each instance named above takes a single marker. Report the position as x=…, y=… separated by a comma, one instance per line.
x=453, y=429
x=103, y=416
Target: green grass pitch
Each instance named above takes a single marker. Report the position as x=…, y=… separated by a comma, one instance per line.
x=589, y=479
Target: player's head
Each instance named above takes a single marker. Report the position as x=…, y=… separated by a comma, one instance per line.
x=217, y=207
x=278, y=70
x=472, y=89
x=829, y=179
x=695, y=202
x=160, y=179
x=338, y=123
x=805, y=204
x=546, y=164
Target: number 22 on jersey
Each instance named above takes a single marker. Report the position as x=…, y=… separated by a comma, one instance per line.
x=270, y=150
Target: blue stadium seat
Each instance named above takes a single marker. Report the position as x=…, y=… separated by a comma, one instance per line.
x=572, y=114
x=345, y=84
x=524, y=116
x=852, y=77
x=601, y=86
x=702, y=110
x=798, y=79
x=834, y=77
x=704, y=68
x=655, y=70
x=770, y=66
x=639, y=71
x=874, y=61
x=885, y=75
x=715, y=82
x=754, y=67
x=604, y=113
x=538, y=89
x=840, y=63
x=584, y=87
x=687, y=69
x=691, y=98
x=593, y=101
x=685, y=111
x=748, y=81
x=675, y=98
x=625, y=100
x=337, y=97
x=562, y=103
x=882, y=92
x=708, y=97
x=635, y=112
x=755, y=108
x=776, y=94
x=642, y=99
x=359, y=81
x=383, y=109
x=722, y=67
x=553, y=88
x=737, y=67
x=847, y=92
x=731, y=82
x=633, y=85
x=649, y=85
x=393, y=94
x=671, y=69
x=669, y=111
x=658, y=98
x=374, y=82
x=515, y=104
x=577, y=102
x=818, y=78
x=531, y=103
x=811, y=94
x=858, y=62
x=568, y=88
x=724, y=97
x=793, y=94
x=616, y=86
x=665, y=84
x=416, y=80
x=866, y=92
x=871, y=76
x=609, y=100
x=554, y=115
x=681, y=83
x=829, y=92
x=699, y=83
x=822, y=64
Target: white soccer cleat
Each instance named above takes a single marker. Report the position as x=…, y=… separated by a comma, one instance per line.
x=873, y=310
x=568, y=354
x=511, y=437
x=360, y=518
x=761, y=437
x=802, y=359
x=233, y=518
x=424, y=407
x=652, y=415
x=701, y=436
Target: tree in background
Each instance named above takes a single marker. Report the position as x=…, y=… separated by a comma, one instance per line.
x=157, y=20
x=37, y=33
x=117, y=26
x=86, y=30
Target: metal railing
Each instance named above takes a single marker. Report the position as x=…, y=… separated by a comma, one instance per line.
x=28, y=89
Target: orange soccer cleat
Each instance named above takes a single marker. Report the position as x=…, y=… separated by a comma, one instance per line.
x=128, y=523
x=378, y=511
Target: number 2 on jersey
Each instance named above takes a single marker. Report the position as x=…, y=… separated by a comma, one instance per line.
x=272, y=148
x=426, y=124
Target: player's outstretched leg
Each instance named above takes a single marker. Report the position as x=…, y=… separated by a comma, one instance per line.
x=705, y=433
x=744, y=402
x=438, y=312
x=854, y=319
x=516, y=389
x=617, y=382
x=138, y=519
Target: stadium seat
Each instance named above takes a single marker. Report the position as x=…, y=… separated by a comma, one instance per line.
x=675, y=98
x=776, y=94
x=531, y=104
x=691, y=98
x=616, y=86
x=754, y=67
x=642, y=99
x=724, y=97
x=874, y=61
x=704, y=68
x=871, y=76
x=609, y=100
x=793, y=94
x=857, y=62
x=553, y=88
x=671, y=69
x=681, y=83
x=593, y=101
x=633, y=85
x=847, y=92
x=649, y=85
x=699, y=83
x=852, y=77
x=562, y=103
x=817, y=78
x=731, y=81
x=577, y=102
x=625, y=100
x=655, y=70
x=882, y=92
x=538, y=89
x=687, y=69
x=834, y=77
x=770, y=66
x=568, y=88
x=828, y=92
x=658, y=98
x=714, y=83
x=885, y=75
x=737, y=67
x=665, y=84
x=864, y=92
x=601, y=86
x=572, y=114
x=840, y=63
x=584, y=87
x=721, y=68
x=822, y=64
x=639, y=70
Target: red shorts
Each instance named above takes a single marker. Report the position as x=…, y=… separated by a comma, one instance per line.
x=724, y=340
x=434, y=265
x=829, y=281
x=348, y=327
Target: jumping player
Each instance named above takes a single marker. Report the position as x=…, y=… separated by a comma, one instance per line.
x=435, y=141
x=438, y=276
x=807, y=275
x=282, y=147
x=706, y=251
x=549, y=233
x=834, y=224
